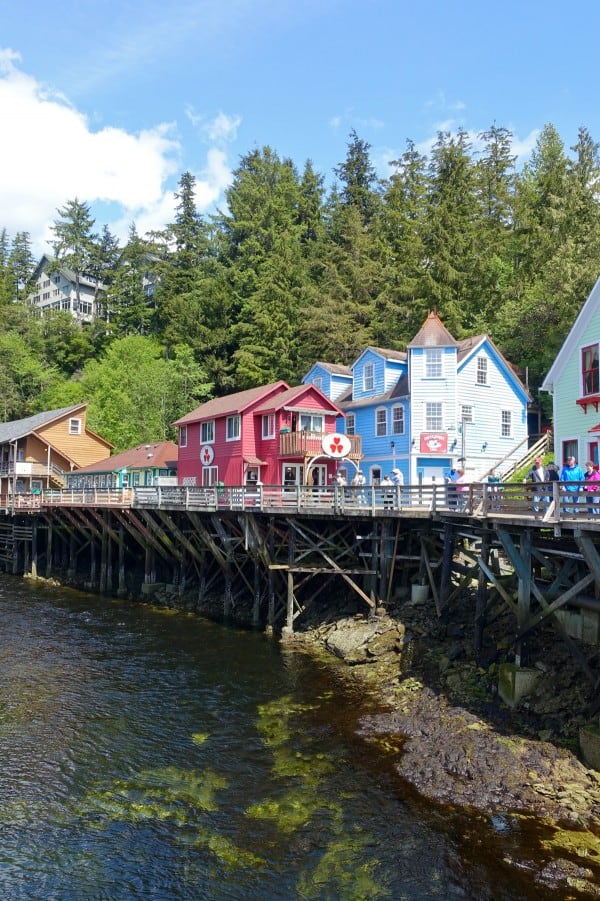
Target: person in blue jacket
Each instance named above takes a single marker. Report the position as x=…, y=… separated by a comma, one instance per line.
x=571, y=474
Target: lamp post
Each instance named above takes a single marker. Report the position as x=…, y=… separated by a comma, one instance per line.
x=393, y=447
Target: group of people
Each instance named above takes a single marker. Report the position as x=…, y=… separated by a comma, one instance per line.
x=573, y=479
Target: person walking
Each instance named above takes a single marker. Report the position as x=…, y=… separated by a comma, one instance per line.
x=494, y=481
x=398, y=480
x=538, y=475
x=358, y=483
x=571, y=475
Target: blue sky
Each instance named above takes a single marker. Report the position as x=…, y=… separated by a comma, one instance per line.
x=110, y=101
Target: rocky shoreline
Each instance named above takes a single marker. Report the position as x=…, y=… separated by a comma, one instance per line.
x=457, y=743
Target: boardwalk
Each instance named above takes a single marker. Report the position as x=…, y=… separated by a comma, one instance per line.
x=538, y=505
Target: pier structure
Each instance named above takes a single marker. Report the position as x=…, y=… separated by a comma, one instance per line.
x=277, y=552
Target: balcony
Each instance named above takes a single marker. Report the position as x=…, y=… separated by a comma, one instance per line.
x=309, y=444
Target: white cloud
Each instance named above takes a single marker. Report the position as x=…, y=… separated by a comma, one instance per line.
x=223, y=128
x=50, y=154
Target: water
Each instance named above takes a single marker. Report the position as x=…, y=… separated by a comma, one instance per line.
x=155, y=755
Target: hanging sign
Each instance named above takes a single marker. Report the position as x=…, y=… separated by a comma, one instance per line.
x=336, y=446
x=434, y=443
x=207, y=454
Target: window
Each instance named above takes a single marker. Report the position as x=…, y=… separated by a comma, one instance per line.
x=210, y=476
x=381, y=422
x=350, y=424
x=398, y=420
x=74, y=426
x=318, y=382
x=569, y=449
x=433, y=363
x=369, y=377
x=207, y=432
x=183, y=436
x=589, y=369
x=268, y=425
x=467, y=413
x=232, y=430
x=506, y=424
x=482, y=371
x=310, y=422
x=433, y=416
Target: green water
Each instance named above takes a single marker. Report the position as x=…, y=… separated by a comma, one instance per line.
x=156, y=755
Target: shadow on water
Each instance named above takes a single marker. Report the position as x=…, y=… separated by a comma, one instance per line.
x=147, y=753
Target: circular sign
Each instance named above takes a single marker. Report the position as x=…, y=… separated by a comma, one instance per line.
x=336, y=445
x=207, y=455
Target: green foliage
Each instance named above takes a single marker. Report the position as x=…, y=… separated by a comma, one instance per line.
x=286, y=276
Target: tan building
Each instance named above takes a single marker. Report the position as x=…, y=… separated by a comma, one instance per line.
x=38, y=452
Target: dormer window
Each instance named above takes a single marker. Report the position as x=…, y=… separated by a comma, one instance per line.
x=74, y=426
x=369, y=377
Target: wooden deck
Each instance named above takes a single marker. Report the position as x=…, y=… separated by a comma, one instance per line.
x=543, y=506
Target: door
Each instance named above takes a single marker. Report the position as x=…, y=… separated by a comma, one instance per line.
x=292, y=475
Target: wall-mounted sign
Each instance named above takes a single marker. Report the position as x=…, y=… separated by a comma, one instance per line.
x=207, y=454
x=336, y=445
x=434, y=443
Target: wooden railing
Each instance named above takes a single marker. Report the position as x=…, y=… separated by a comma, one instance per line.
x=548, y=503
x=309, y=444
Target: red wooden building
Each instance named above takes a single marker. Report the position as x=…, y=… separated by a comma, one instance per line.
x=272, y=435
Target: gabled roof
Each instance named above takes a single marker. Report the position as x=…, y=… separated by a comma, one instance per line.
x=231, y=403
x=433, y=333
x=394, y=356
x=399, y=389
x=293, y=397
x=162, y=455
x=468, y=346
x=573, y=339
x=333, y=368
x=68, y=274
x=20, y=428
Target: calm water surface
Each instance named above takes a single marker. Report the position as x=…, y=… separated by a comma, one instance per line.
x=155, y=755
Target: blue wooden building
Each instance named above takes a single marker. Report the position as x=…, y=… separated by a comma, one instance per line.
x=442, y=403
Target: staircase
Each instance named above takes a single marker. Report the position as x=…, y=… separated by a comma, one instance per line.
x=542, y=446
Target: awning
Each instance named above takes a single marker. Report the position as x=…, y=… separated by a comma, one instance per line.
x=595, y=429
x=254, y=461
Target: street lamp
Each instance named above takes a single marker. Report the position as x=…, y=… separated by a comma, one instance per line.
x=393, y=446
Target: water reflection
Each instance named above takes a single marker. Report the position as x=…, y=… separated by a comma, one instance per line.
x=156, y=755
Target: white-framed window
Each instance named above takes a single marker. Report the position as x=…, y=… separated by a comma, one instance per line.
x=74, y=426
x=312, y=422
x=318, y=382
x=232, y=428
x=433, y=363
x=207, y=432
x=589, y=370
x=369, y=377
x=482, y=370
x=350, y=424
x=381, y=422
x=210, y=476
x=433, y=416
x=182, y=436
x=398, y=420
x=268, y=425
x=506, y=424
x=467, y=413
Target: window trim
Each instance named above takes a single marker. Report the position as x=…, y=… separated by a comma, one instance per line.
x=401, y=431
x=206, y=423
x=183, y=436
x=482, y=370
x=434, y=363
x=230, y=421
x=268, y=420
x=369, y=376
x=592, y=373
x=75, y=425
x=350, y=429
x=506, y=419
x=378, y=411
x=437, y=426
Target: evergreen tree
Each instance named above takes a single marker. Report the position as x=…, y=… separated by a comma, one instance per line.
x=20, y=264
x=359, y=183
x=74, y=240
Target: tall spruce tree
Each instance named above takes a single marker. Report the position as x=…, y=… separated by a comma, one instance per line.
x=74, y=240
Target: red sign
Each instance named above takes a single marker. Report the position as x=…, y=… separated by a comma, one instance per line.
x=434, y=443
x=207, y=454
